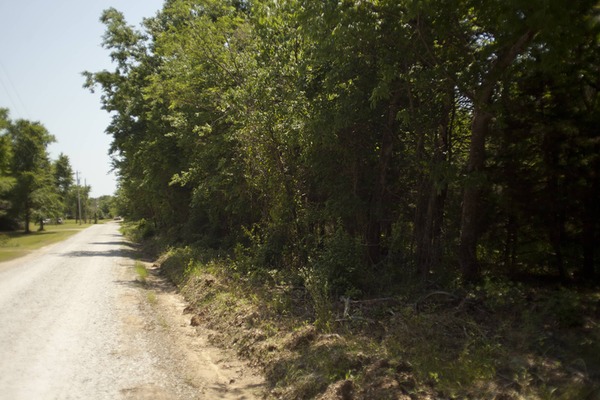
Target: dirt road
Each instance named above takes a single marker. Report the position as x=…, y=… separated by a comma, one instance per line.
x=76, y=322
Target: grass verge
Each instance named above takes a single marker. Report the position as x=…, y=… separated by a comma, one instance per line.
x=501, y=340
x=443, y=346
x=17, y=244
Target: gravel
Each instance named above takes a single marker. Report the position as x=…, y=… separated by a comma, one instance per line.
x=77, y=323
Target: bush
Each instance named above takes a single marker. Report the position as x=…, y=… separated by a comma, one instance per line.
x=565, y=308
x=178, y=264
x=8, y=224
x=139, y=231
x=501, y=294
x=339, y=264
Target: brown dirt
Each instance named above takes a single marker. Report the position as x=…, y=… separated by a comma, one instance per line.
x=215, y=372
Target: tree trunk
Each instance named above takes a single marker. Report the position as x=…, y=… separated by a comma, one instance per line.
x=591, y=215
x=420, y=222
x=557, y=236
x=510, y=244
x=430, y=207
x=588, y=243
x=27, y=218
x=475, y=177
x=470, y=220
x=378, y=204
x=377, y=224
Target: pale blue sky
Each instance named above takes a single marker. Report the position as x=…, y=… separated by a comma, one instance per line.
x=44, y=47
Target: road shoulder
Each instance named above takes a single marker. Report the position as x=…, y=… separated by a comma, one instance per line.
x=212, y=372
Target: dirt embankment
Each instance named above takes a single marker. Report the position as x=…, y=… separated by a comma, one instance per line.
x=213, y=372
x=437, y=345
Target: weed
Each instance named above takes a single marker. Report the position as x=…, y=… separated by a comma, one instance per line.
x=151, y=296
x=501, y=294
x=317, y=286
x=178, y=264
x=141, y=270
x=163, y=322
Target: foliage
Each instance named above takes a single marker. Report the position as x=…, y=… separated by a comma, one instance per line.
x=347, y=147
x=33, y=188
x=33, y=195
x=317, y=286
x=292, y=152
x=351, y=136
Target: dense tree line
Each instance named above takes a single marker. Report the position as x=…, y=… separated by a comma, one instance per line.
x=34, y=188
x=367, y=140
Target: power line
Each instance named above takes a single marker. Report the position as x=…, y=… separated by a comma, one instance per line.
x=21, y=108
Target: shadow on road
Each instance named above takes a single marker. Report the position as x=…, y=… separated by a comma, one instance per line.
x=126, y=250
x=115, y=243
x=134, y=283
x=123, y=253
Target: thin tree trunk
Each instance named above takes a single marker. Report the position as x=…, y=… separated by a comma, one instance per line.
x=27, y=218
x=470, y=220
x=591, y=216
x=377, y=224
x=420, y=223
x=510, y=244
x=588, y=244
x=429, y=219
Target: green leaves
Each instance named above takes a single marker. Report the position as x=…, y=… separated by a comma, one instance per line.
x=370, y=118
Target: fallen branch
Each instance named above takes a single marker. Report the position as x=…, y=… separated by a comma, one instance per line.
x=372, y=301
x=352, y=318
x=348, y=301
x=432, y=294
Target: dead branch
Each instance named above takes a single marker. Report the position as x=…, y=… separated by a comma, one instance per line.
x=432, y=294
x=348, y=301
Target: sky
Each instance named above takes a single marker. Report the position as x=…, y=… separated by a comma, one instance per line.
x=45, y=45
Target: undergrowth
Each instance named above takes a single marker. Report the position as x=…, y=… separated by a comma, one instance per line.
x=500, y=340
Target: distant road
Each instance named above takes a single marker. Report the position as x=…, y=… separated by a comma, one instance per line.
x=71, y=326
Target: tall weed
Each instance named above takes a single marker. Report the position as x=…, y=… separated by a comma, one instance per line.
x=317, y=286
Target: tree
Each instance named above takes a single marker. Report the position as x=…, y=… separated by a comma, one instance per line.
x=63, y=175
x=399, y=136
x=172, y=141
x=478, y=45
x=6, y=181
x=144, y=153
x=33, y=194
x=544, y=154
x=106, y=207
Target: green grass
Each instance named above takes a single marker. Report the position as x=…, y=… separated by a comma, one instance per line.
x=141, y=271
x=151, y=296
x=18, y=244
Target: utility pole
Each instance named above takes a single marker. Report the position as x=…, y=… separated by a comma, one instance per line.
x=86, y=220
x=78, y=196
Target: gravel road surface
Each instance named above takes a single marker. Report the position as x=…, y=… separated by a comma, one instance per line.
x=76, y=322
